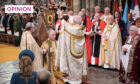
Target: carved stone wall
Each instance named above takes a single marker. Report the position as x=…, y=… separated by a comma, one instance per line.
x=89, y=5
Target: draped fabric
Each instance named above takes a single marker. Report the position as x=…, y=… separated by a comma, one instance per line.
x=87, y=24
x=132, y=74
x=71, y=54
x=41, y=32
x=28, y=42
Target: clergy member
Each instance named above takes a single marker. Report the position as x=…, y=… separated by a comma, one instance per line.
x=85, y=19
x=28, y=42
x=97, y=10
x=71, y=52
x=130, y=58
x=106, y=14
x=49, y=55
x=87, y=23
x=58, y=24
x=97, y=27
x=111, y=43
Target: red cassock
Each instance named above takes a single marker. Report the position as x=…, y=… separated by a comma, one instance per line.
x=57, y=27
x=88, y=40
x=96, y=48
x=89, y=44
x=58, y=22
x=102, y=24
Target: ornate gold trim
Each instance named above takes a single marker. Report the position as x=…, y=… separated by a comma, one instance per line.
x=50, y=16
x=74, y=47
x=107, y=42
x=74, y=36
x=78, y=54
x=113, y=48
x=81, y=26
x=61, y=32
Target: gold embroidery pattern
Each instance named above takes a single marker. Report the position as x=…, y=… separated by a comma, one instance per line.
x=50, y=19
x=113, y=48
x=105, y=48
x=74, y=36
x=75, y=53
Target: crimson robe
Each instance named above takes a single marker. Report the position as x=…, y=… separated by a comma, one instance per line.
x=58, y=27
x=137, y=50
x=87, y=23
x=133, y=74
x=57, y=23
x=95, y=48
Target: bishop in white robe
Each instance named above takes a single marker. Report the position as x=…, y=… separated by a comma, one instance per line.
x=110, y=50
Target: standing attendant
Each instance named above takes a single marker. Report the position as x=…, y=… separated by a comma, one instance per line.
x=28, y=42
x=111, y=43
x=106, y=15
x=97, y=28
x=3, y=23
x=10, y=23
x=71, y=53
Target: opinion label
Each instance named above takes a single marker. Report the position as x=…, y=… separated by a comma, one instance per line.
x=18, y=8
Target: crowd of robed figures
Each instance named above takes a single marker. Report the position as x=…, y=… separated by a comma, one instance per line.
x=101, y=40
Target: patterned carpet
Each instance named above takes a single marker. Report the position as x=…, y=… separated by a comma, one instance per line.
x=8, y=53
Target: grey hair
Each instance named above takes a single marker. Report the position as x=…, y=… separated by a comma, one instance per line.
x=134, y=28
x=107, y=8
x=29, y=25
x=77, y=19
x=97, y=7
x=46, y=72
x=80, y=13
x=50, y=30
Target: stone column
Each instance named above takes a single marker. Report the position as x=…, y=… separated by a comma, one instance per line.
x=87, y=7
x=76, y=6
x=103, y=4
x=108, y=3
x=92, y=6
